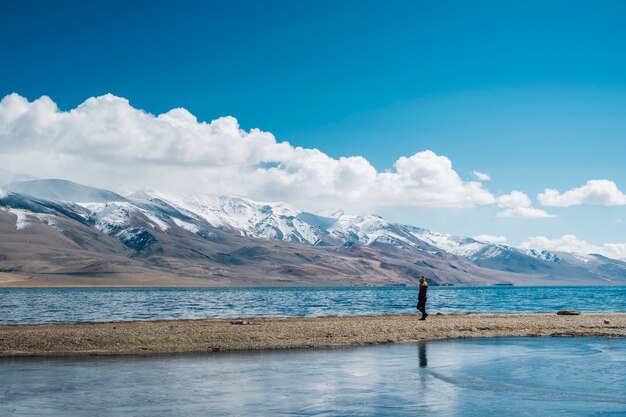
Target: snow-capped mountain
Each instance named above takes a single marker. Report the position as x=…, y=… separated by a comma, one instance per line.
x=153, y=224
x=111, y=214
x=280, y=221
x=272, y=221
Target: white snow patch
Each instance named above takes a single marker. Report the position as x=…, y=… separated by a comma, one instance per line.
x=389, y=238
x=25, y=219
x=306, y=231
x=187, y=226
x=493, y=251
x=113, y=216
x=22, y=220
x=251, y=218
x=50, y=220
x=582, y=259
x=158, y=222
x=451, y=244
x=359, y=226
x=109, y=217
x=129, y=234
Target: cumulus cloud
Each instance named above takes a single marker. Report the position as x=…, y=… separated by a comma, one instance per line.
x=570, y=243
x=517, y=204
x=490, y=238
x=481, y=176
x=601, y=192
x=108, y=143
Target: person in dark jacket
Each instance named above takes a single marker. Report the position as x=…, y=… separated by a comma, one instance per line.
x=421, y=298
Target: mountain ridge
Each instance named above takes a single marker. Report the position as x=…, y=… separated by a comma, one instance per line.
x=238, y=241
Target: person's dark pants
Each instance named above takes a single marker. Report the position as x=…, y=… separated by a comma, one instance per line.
x=421, y=306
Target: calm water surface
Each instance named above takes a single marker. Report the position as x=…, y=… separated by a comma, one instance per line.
x=115, y=304
x=481, y=377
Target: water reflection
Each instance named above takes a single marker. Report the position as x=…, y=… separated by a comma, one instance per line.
x=421, y=349
x=484, y=377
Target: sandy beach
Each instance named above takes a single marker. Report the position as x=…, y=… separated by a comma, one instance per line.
x=218, y=335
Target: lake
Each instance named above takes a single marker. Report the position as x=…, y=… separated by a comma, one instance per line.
x=478, y=377
x=67, y=305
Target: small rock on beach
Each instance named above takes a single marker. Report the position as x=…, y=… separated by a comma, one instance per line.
x=568, y=313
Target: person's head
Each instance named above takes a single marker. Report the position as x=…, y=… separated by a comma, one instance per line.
x=422, y=279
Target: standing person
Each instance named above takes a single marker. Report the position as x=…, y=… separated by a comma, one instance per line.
x=421, y=298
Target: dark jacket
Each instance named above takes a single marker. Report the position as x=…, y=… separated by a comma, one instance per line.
x=422, y=293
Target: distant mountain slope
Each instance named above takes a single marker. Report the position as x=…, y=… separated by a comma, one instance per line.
x=62, y=190
x=278, y=221
x=53, y=228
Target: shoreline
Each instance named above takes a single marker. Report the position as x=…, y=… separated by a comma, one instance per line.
x=250, y=334
x=139, y=281
x=27, y=283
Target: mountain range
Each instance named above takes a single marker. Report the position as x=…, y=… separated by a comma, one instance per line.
x=56, y=233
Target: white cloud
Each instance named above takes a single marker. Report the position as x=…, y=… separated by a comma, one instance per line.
x=514, y=199
x=481, y=176
x=525, y=212
x=602, y=192
x=490, y=238
x=517, y=204
x=106, y=142
x=570, y=243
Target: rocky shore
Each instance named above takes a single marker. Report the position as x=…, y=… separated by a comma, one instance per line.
x=217, y=335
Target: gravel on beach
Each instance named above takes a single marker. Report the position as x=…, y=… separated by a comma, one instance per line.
x=217, y=335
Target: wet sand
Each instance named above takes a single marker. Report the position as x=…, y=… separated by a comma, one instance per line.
x=217, y=335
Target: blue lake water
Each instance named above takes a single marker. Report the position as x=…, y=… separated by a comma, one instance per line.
x=479, y=377
x=121, y=304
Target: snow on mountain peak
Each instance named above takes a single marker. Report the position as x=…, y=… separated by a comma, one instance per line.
x=365, y=229
x=281, y=221
x=149, y=210
x=266, y=220
x=545, y=255
x=108, y=217
x=452, y=244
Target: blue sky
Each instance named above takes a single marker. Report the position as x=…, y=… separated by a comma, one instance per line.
x=532, y=93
